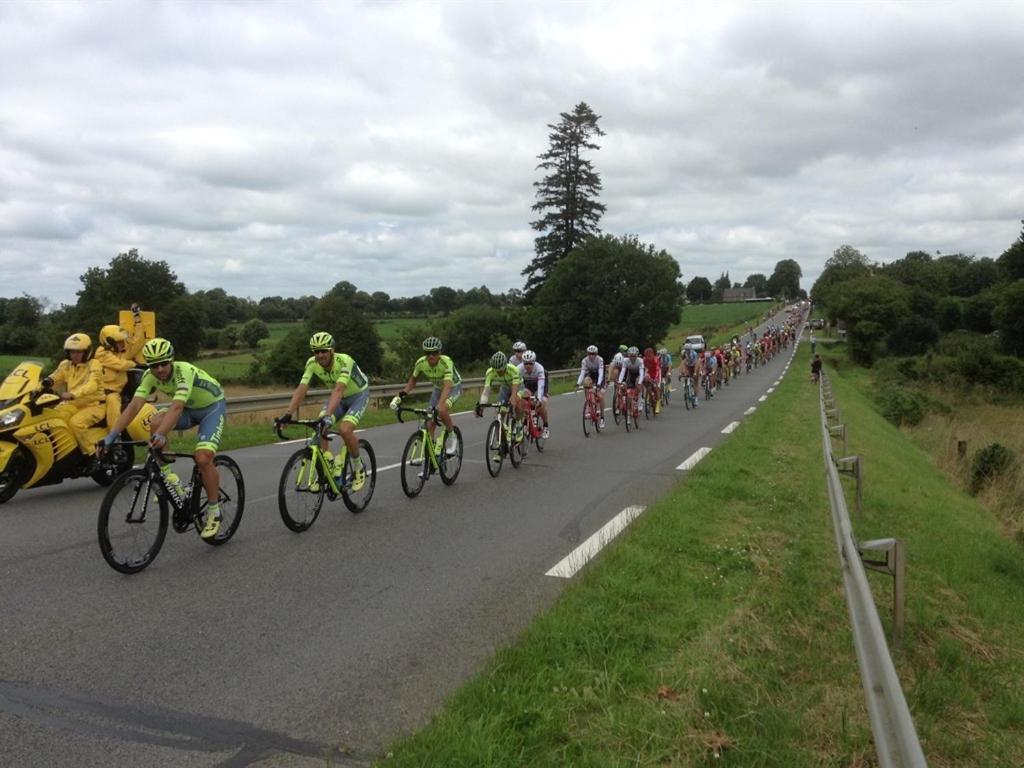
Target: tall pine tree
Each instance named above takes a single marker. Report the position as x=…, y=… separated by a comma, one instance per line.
x=567, y=197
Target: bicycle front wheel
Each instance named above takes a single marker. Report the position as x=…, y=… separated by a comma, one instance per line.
x=356, y=501
x=297, y=502
x=538, y=429
x=627, y=413
x=494, y=448
x=132, y=522
x=414, y=465
x=587, y=421
x=615, y=406
x=451, y=460
x=231, y=497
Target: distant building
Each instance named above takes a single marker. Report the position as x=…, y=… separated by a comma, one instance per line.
x=739, y=294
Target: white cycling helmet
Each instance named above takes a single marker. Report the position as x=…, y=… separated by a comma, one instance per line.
x=592, y=350
x=519, y=346
x=529, y=356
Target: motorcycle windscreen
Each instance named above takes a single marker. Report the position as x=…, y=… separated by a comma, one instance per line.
x=19, y=381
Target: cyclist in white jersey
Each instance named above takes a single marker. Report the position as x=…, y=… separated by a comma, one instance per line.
x=516, y=358
x=535, y=385
x=592, y=375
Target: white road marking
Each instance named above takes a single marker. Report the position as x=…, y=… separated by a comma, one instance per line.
x=762, y=398
x=750, y=410
x=769, y=390
x=776, y=382
x=730, y=427
x=569, y=565
x=691, y=462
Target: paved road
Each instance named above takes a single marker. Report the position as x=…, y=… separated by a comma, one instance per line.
x=280, y=649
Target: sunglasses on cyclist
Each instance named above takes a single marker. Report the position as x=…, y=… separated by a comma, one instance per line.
x=161, y=364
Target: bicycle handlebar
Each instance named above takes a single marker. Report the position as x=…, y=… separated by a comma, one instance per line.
x=427, y=412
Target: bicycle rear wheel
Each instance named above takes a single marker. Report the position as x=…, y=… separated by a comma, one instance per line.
x=356, y=501
x=451, y=461
x=414, y=465
x=132, y=522
x=299, y=506
x=231, y=498
x=494, y=448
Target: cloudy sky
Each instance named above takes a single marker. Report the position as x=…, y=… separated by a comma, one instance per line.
x=277, y=148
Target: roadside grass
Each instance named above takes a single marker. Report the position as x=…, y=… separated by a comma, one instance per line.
x=715, y=631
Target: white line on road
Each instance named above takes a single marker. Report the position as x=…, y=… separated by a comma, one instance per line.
x=762, y=398
x=776, y=382
x=691, y=462
x=730, y=427
x=569, y=565
x=750, y=410
x=769, y=390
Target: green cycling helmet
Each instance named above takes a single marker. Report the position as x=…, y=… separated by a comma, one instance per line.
x=157, y=351
x=623, y=347
x=499, y=360
x=432, y=344
x=321, y=340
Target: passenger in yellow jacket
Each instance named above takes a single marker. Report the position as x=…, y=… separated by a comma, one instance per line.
x=116, y=354
x=82, y=376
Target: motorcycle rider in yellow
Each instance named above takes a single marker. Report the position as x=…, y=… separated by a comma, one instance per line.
x=116, y=354
x=348, y=399
x=82, y=378
x=196, y=399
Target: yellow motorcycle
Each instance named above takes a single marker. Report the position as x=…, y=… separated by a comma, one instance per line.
x=38, y=447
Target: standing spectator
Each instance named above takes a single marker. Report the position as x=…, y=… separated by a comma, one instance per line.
x=816, y=368
x=814, y=342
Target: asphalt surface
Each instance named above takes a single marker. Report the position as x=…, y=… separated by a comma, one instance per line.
x=281, y=649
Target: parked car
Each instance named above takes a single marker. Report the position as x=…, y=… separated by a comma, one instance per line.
x=817, y=323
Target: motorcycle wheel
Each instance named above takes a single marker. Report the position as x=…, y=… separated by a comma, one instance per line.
x=14, y=474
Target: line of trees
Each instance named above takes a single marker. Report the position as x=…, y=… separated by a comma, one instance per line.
x=783, y=284
x=969, y=310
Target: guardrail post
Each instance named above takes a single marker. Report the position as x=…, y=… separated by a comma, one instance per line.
x=852, y=465
x=894, y=566
x=839, y=430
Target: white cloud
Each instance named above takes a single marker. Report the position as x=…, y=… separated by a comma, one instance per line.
x=394, y=145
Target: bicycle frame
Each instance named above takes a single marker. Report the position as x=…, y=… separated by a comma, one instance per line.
x=318, y=459
x=425, y=416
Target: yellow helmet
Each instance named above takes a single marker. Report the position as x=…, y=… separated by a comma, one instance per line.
x=111, y=334
x=78, y=342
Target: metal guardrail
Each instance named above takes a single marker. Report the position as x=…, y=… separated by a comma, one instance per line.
x=893, y=730
x=254, y=403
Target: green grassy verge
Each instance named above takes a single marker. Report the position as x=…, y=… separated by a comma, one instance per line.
x=715, y=630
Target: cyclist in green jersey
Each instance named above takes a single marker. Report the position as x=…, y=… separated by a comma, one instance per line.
x=196, y=399
x=348, y=400
x=508, y=376
x=441, y=372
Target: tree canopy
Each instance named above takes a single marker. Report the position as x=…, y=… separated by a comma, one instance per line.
x=607, y=292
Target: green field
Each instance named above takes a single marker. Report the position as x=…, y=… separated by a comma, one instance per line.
x=389, y=328
x=715, y=321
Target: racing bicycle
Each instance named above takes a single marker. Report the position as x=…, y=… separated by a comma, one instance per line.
x=424, y=455
x=308, y=477
x=139, y=504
